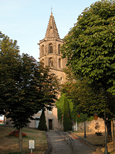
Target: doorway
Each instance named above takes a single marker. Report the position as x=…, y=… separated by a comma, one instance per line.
x=50, y=124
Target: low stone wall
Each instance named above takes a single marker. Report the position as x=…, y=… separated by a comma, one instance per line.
x=94, y=125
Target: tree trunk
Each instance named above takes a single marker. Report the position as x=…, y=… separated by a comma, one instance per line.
x=20, y=139
x=113, y=137
x=109, y=134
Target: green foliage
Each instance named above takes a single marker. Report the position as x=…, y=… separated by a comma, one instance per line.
x=81, y=118
x=8, y=67
x=42, y=124
x=25, y=85
x=87, y=99
x=80, y=93
x=67, y=124
x=90, y=50
x=89, y=46
x=60, y=106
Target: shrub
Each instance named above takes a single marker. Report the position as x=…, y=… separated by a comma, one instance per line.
x=67, y=124
x=16, y=133
x=42, y=124
x=14, y=153
x=17, y=153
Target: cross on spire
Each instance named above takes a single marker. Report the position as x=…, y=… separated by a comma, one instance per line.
x=51, y=10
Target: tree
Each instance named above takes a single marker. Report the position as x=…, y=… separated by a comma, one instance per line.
x=8, y=66
x=79, y=92
x=89, y=45
x=60, y=106
x=25, y=85
x=67, y=124
x=86, y=100
x=42, y=124
x=90, y=50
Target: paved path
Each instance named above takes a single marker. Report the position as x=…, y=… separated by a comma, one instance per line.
x=83, y=148
x=59, y=146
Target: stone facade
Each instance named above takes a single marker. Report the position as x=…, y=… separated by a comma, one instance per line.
x=94, y=125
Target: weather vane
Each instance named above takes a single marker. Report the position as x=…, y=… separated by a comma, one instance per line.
x=51, y=9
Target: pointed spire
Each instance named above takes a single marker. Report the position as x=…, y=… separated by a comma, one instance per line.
x=52, y=31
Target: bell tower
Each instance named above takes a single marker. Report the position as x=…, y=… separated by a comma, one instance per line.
x=50, y=53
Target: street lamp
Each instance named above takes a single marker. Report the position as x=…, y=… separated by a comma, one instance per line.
x=78, y=115
x=84, y=127
x=95, y=116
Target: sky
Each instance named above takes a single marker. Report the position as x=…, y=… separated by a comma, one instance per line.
x=26, y=20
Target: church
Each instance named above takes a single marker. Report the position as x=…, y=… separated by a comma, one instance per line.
x=50, y=55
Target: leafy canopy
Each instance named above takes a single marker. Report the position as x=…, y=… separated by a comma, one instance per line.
x=25, y=85
x=90, y=45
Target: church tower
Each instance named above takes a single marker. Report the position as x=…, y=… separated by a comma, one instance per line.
x=50, y=53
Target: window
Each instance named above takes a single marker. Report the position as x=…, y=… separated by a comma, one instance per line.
x=50, y=48
x=59, y=62
x=40, y=111
x=51, y=62
x=50, y=111
x=58, y=48
x=42, y=50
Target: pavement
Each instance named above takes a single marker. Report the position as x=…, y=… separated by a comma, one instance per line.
x=60, y=146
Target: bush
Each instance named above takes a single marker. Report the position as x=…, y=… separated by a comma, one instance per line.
x=42, y=124
x=16, y=133
x=67, y=124
x=14, y=153
x=17, y=153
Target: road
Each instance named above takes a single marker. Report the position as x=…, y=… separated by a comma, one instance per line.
x=59, y=146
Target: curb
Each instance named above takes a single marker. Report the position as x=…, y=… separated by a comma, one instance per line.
x=97, y=149
x=49, y=145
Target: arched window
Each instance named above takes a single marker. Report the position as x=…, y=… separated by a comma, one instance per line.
x=42, y=50
x=59, y=62
x=50, y=48
x=51, y=62
x=49, y=110
x=58, y=48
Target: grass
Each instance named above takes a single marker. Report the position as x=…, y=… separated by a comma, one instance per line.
x=10, y=144
x=97, y=140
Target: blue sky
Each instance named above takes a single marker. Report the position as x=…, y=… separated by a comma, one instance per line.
x=26, y=20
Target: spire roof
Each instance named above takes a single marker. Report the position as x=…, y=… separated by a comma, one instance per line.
x=52, y=31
